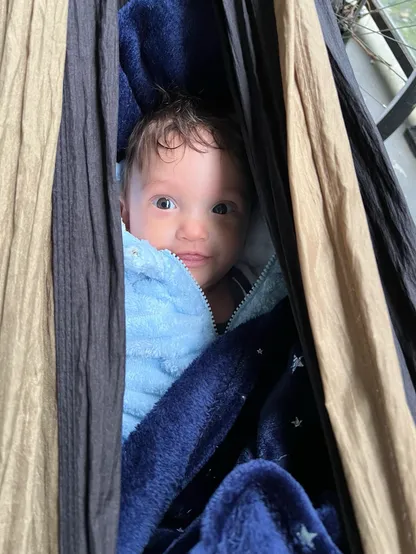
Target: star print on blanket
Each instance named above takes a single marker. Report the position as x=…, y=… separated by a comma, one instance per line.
x=218, y=465
x=260, y=508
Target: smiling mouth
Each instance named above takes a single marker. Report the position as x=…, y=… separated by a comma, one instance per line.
x=192, y=259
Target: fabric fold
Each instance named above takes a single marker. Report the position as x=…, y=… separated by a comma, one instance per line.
x=247, y=398
x=259, y=507
x=391, y=226
x=252, y=60
x=89, y=284
x=32, y=56
x=346, y=305
x=169, y=44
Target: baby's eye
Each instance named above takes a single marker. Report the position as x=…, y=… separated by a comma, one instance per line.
x=164, y=203
x=223, y=208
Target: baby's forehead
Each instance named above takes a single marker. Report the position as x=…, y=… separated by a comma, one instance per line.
x=213, y=169
x=212, y=188
x=238, y=187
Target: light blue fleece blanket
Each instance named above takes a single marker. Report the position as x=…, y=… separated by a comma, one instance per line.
x=169, y=324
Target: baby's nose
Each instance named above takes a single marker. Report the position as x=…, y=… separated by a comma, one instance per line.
x=193, y=229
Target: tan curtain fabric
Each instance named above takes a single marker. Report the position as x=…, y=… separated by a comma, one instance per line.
x=359, y=366
x=32, y=55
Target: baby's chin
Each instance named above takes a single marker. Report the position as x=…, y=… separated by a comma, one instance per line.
x=200, y=277
x=204, y=279
x=206, y=282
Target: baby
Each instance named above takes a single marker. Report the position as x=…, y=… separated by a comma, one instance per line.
x=186, y=190
x=194, y=405
x=186, y=205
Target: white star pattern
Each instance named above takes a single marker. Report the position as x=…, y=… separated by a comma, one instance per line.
x=297, y=362
x=297, y=422
x=260, y=351
x=306, y=538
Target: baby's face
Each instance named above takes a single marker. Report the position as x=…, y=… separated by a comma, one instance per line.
x=195, y=205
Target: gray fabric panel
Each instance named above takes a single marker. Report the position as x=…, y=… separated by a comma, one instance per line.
x=88, y=280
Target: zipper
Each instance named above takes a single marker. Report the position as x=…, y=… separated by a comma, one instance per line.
x=198, y=287
x=254, y=287
x=250, y=293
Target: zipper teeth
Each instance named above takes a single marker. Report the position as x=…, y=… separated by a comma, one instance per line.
x=251, y=291
x=204, y=296
x=247, y=296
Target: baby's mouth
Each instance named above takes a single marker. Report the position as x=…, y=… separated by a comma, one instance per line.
x=193, y=259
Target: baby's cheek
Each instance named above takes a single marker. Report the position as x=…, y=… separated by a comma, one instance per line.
x=141, y=225
x=160, y=232
x=156, y=235
x=227, y=236
x=237, y=231
x=232, y=240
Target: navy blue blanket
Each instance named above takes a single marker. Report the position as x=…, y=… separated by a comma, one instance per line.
x=232, y=458
x=170, y=44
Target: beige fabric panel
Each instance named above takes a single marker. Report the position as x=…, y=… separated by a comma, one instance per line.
x=359, y=367
x=32, y=56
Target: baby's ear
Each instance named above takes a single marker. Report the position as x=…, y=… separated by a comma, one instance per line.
x=124, y=212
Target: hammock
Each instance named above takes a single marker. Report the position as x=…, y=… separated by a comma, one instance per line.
x=338, y=220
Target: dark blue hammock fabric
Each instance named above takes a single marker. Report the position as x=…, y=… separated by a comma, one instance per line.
x=233, y=455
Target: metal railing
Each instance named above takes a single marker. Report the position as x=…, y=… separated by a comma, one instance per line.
x=404, y=102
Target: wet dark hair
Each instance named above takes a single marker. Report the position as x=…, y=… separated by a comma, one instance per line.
x=181, y=117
